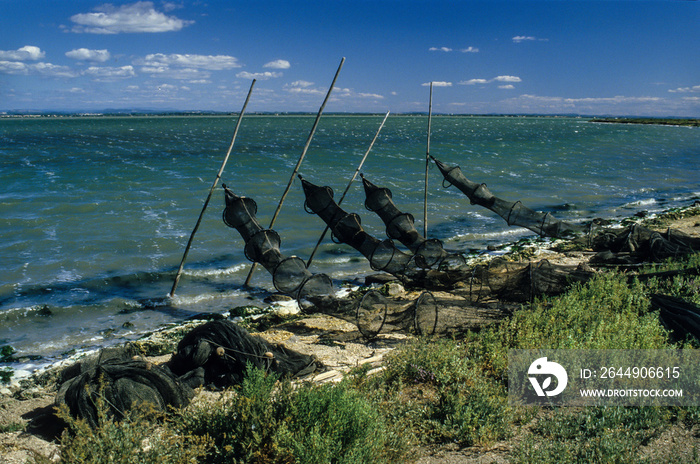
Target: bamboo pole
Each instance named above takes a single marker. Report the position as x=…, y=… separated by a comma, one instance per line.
x=301, y=158
x=427, y=164
x=211, y=191
x=357, y=171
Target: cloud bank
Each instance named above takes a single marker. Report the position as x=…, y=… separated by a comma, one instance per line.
x=139, y=17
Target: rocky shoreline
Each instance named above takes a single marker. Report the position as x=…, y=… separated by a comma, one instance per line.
x=26, y=404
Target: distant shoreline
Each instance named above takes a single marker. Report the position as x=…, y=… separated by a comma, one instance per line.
x=691, y=122
x=658, y=121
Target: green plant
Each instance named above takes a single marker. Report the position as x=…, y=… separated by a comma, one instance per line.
x=134, y=440
x=592, y=435
x=6, y=352
x=269, y=421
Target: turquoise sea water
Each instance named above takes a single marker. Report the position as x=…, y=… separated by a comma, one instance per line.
x=95, y=213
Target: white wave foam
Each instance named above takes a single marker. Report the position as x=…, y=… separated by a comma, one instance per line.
x=187, y=300
x=214, y=272
x=638, y=203
x=491, y=235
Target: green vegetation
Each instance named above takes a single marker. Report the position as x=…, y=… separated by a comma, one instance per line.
x=431, y=392
x=660, y=121
x=6, y=356
x=137, y=439
x=268, y=421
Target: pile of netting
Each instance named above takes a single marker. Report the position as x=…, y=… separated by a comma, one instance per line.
x=219, y=351
x=119, y=380
x=214, y=355
x=679, y=316
x=635, y=243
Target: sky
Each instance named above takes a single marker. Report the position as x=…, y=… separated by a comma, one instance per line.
x=592, y=57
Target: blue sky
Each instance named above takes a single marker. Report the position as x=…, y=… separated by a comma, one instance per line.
x=546, y=57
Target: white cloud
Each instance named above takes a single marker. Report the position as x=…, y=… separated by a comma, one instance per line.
x=26, y=53
x=695, y=88
x=342, y=92
x=371, y=95
x=301, y=84
x=507, y=79
x=209, y=62
x=440, y=49
x=506, y=87
x=437, y=84
x=130, y=18
x=474, y=82
x=178, y=73
x=104, y=73
x=303, y=87
x=470, y=50
x=44, y=69
x=522, y=38
x=84, y=54
x=278, y=64
x=617, y=100
x=13, y=67
x=52, y=70
x=263, y=76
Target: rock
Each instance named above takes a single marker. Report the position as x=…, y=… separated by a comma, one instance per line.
x=285, y=308
x=394, y=289
x=380, y=279
x=275, y=297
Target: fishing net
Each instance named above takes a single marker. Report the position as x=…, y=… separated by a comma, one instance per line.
x=119, y=380
x=289, y=274
x=515, y=213
x=432, y=313
x=223, y=349
x=678, y=315
x=618, y=246
x=347, y=228
x=642, y=244
x=523, y=282
x=429, y=253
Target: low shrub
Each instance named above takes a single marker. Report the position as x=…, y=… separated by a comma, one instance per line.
x=136, y=439
x=266, y=421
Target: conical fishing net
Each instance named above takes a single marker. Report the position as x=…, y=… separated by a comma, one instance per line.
x=515, y=213
x=642, y=243
x=289, y=274
x=429, y=253
x=347, y=228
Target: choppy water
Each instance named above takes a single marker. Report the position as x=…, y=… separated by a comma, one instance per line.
x=95, y=212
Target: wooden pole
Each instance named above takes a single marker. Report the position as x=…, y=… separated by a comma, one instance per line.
x=211, y=191
x=357, y=171
x=427, y=163
x=301, y=158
